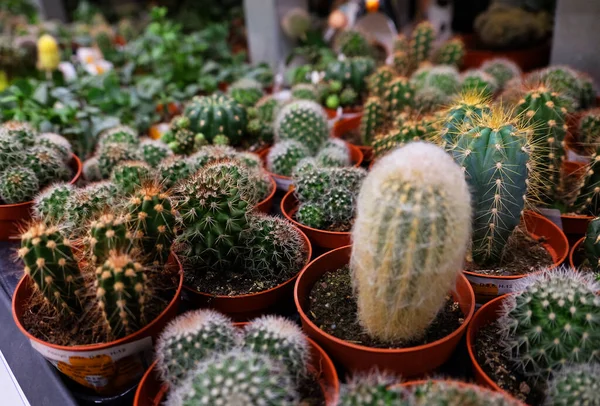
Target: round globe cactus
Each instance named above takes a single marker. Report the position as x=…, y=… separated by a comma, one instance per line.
x=303, y=121
x=575, y=385
x=284, y=156
x=56, y=142
x=18, y=185
x=153, y=152
x=50, y=205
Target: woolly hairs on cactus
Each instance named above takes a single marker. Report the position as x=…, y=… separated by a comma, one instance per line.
x=410, y=237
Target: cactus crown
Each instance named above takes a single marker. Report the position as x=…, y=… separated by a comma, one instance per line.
x=421, y=42
x=372, y=389
x=154, y=151
x=479, y=81
x=18, y=184
x=56, y=142
x=50, y=205
x=303, y=121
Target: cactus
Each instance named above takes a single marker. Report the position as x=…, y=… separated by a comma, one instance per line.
x=450, y=53
x=418, y=77
x=338, y=205
x=352, y=72
x=553, y=320
x=180, y=139
x=398, y=97
x=589, y=128
x=237, y=378
x=129, y=175
x=266, y=110
x=220, y=139
x=348, y=97
x=303, y=121
x=120, y=134
x=112, y=153
x=352, y=43
x=173, y=169
x=421, y=42
x=587, y=97
x=371, y=390
x=57, y=143
x=191, y=338
x=153, y=152
x=502, y=69
x=151, y=215
x=311, y=184
x=272, y=248
x=50, y=263
x=401, y=43
x=107, y=235
x=280, y=339
x=18, y=185
x=91, y=169
x=245, y=91
x=588, y=189
x=333, y=156
x=295, y=23
x=311, y=215
x=378, y=82
x=466, y=109
x=564, y=81
x=444, y=78
x=47, y=165
x=372, y=120
x=216, y=114
x=50, y=205
x=430, y=99
x=22, y=133
x=444, y=393
x=494, y=154
x=210, y=154
x=122, y=291
x=407, y=131
x=402, y=63
x=475, y=80
x=11, y=152
x=575, y=385
x=591, y=244
x=84, y=204
x=284, y=156
x=425, y=240
x=304, y=91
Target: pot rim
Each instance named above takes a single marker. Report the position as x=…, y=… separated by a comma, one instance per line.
x=99, y=346
x=573, y=250
x=460, y=330
x=75, y=159
x=271, y=193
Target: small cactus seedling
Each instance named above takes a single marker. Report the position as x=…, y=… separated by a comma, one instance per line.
x=478, y=81
x=120, y=134
x=153, y=152
x=450, y=53
x=280, y=339
x=575, y=385
x=421, y=42
x=303, y=121
x=503, y=70
x=191, y=338
x=57, y=143
x=427, y=236
x=18, y=185
x=173, y=170
x=553, y=320
x=398, y=97
x=372, y=120
x=179, y=138
x=284, y=156
x=51, y=265
x=112, y=153
x=591, y=244
x=129, y=175
x=50, y=205
x=378, y=82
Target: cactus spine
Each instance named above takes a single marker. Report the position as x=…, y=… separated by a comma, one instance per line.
x=153, y=152
x=128, y=176
x=398, y=97
x=50, y=204
x=575, y=385
x=303, y=121
x=589, y=128
x=107, y=235
x=426, y=238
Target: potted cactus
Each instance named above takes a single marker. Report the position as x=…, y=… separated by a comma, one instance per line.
x=98, y=288
x=30, y=161
x=416, y=273
x=585, y=253
x=291, y=367
x=517, y=342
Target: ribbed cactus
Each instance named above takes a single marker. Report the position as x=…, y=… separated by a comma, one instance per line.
x=352, y=43
x=475, y=80
x=412, y=129
x=303, y=121
x=210, y=154
x=589, y=128
x=12, y=152
x=575, y=385
x=122, y=293
x=444, y=78
x=464, y=111
x=130, y=175
x=273, y=248
x=398, y=97
x=245, y=91
x=47, y=164
x=173, y=169
x=216, y=114
x=84, y=204
x=553, y=320
x=401, y=43
x=20, y=132
x=50, y=205
x=120, y=134
x=564, y=81
x=57, y=143
x=280, y=339
x=372, y=120
x=402, y=284
x=51, y=265
x=311, y=215
x=421, y=42
x=18, y=185
x=450, y=53
x=151, y=217
x=502, y=69
x=494, y=154
x=372, y=390
x=591, y=244
x=284, y=156
x=153, y=152
x=191, y=338
x=378, y=82
x=239, y=377
x=445, y=393
x=113, y=153
x=107, y=235
x=351, y=72
x=304, y=91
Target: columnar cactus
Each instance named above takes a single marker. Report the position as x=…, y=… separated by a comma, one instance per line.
x=589, y=128
x=122, y=292
x=216, y=114
x=401, y=43
x=421, y=42
x=398, y=97
x=112, y=153
x=553, y=320
x=50, y=263
x=303, y=121
x=475, y=80
x=427, y=236
x=372, y=120
x=57, y=143
x=108, y=235
x=378, y=82
x=191, y=338
x=591, y=244
x=239, y=377
x=402, y=63
x=47, y=165
x=502, y=69
x=18, y=185
x=153, y=152
x=50, y=205
x=564, y=81
x=174, y=169
x=575, y=385
x=450, y=53
x=494, y=154
x=284, y=156
x=370, y=390
x=273, y=247
x=466, y=109
x=351, y=72
x=280, y=339
x=130, y=175
x=120, y=134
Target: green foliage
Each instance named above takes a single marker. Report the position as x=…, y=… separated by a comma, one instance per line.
x=303, y=121
x=18, y=185
x=50, y=204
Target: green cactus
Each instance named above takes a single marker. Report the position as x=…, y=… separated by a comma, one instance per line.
x=91, y=169
x=378, y=82
x=444, y=78
x=552, y=320
x=421, y=42
x=50, y=205
x=466, y=109
x=304, y=91
x=265, y=111
x=418, y=77
x=245, y=91
x=352, y=43
x=587, y=97
x=22, y=133
x=401, y=43
x=430, y=99
x=122, y=292
x=284, y=156
x=84, y=204
x=589, y=128
x=372, y=390
x=112, y=153
x=402, y=63
x=303, y=121
x=221, y=139
x=311, y=184
x=372, y=120
x=502, y=69
x=11, y=152
x=191, y=338
x=18, y=185
x=478, y=81
x=180, y=138
x=444, y=393
x=311, y=215
x=398, y=97
x=591, y=244
x=348, y=97
x=450, y=53
x=410, y=254
x=217, y=114
x=564, y=81
x=239, y=377
x=153, y=152
x=47, y=165
x=50, y=263
x=587, y=190
x=120, y=134
x=352, y=72
x=334, y=157
x=130, y=175
x=210, y=154
x=57, y=143
x=338, y=205
x=107, y=235
x=575, y=385
x=406, y=131
x=174, y=169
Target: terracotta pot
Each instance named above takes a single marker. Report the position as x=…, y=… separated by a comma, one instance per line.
x=266, y=205
x=321, y=238
x=157, y=130
x=344, y=125
x=574, y=259
x=408, y=362
x=153, y=392
x=528, y=59
x=13, y=215
x=251, y=305
x=284, y=182
x=488, y=287
x=412, y=384
x=332, y=113
x=574, y=225
x=106, y=368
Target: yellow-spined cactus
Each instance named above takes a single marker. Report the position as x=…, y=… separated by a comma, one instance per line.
x=410, y=236
x=48, y=53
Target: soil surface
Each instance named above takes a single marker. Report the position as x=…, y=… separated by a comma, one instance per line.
x=492, y=359
x=522, y=255
x=230, y=283
x=311, y=392
x=333, y=309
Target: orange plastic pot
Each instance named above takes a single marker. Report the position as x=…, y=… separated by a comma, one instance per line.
x=574, y=260
x=574, y=225
x=13, y=215
x=488, y=287
x=251, y=305
x=107, y=368
x=465, y=385
x=332, y=113
x=153, y=392
x=284, y=182
x=321, y=238
x=266, y=205
x=345, y=125
x=408, y=362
